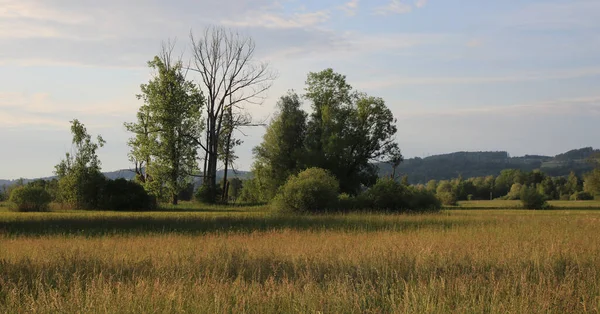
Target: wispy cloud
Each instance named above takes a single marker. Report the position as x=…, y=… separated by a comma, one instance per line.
x=420, y=3
x=517, y=77
x=393, y=7
x=271, y=20
x=559, y=107
x=350, y=7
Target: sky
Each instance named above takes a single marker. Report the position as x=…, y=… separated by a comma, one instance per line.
x=472, y=75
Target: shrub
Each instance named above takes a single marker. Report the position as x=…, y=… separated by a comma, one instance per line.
x=312, y=190
x=532, y=199
x=387, y=194
x=123, y=195
x=447, y=198
x=582, y=196
x=515, y=192
x=30, y=199
x=423, y=200
x=204, y=194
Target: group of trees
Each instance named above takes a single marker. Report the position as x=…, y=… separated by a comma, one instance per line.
x=510, y=183
x=80, y=184
x=182, y=121
x=347, y=133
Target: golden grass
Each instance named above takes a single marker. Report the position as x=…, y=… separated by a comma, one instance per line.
x=469, y=261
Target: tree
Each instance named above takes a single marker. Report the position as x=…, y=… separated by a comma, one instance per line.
x=282, y=152
x=80, y=180
x=231, y=78
x=592, y=182
x=347, y=131
x=574, y=184
x=167, y=121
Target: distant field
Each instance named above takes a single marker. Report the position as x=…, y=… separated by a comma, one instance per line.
x=499, y=204
x=230, y=260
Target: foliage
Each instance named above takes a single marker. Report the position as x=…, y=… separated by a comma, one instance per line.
x=389, y=195
x=446, y=193
x=592, y=182
x=205, y=194
x=123, y=195
x=282, y=151
x=347, y=131
x=79, y=178
x=163, y=148
x=30, y=199
x=532, y=199
x=312, y=190
x=582, y=196
x=515, y=192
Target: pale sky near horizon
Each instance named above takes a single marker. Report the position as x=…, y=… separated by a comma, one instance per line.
x=472, y=75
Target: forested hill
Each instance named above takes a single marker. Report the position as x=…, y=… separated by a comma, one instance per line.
x=478, y=164
x=129, y=175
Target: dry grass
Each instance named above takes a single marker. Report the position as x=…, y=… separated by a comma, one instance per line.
x=470, y=261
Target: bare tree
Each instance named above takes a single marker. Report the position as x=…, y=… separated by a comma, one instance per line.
x=230, y=78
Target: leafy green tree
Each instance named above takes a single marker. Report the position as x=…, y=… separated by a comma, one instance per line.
x=432, y=186
x=347, y=130
x=548, y=189
x=531, y=198
x=574, y=184
x=282, y=152
x=592, y=182
x=167, y=122
x=80, y=180
x=515, y=191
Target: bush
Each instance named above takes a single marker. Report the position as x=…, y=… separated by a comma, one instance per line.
x=30, y=199
x=387, y=194
x=392, y=196
x=423, y=200
x=582, y=196
x=447, y=198
x=313, y=190
x=205, y=195
x=123, y=195
x=532, y=199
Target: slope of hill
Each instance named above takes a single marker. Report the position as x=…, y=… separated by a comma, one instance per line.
x=477, y=164
x=129, y=175
x=448, y=166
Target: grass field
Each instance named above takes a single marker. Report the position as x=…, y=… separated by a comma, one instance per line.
x=231, y=260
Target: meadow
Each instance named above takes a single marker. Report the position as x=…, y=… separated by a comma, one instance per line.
x=472, y=258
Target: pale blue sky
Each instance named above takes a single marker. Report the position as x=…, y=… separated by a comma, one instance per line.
x=515, y=75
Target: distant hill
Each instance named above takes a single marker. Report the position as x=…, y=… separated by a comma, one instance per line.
x=129, y=175
x=448, y=166
x=478, y=164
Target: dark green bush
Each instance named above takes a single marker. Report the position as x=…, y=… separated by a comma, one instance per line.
x=30, y=199
x=532, y=199
x=582, y=196
x=387, y=194
x=422, y=200
x=123, y=195
x=205, y=195
x=313, y=190
x=390, y=195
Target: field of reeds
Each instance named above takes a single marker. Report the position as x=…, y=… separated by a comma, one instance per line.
x=247, y=259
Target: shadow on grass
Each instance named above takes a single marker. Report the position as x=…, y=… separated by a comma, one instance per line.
x=193, y=225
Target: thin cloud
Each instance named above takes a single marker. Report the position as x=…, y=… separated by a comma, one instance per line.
x=420, y=3
x=521, y=77
x=560, y=107
x=350, y=7
x=393, y=7
x=270, y=20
